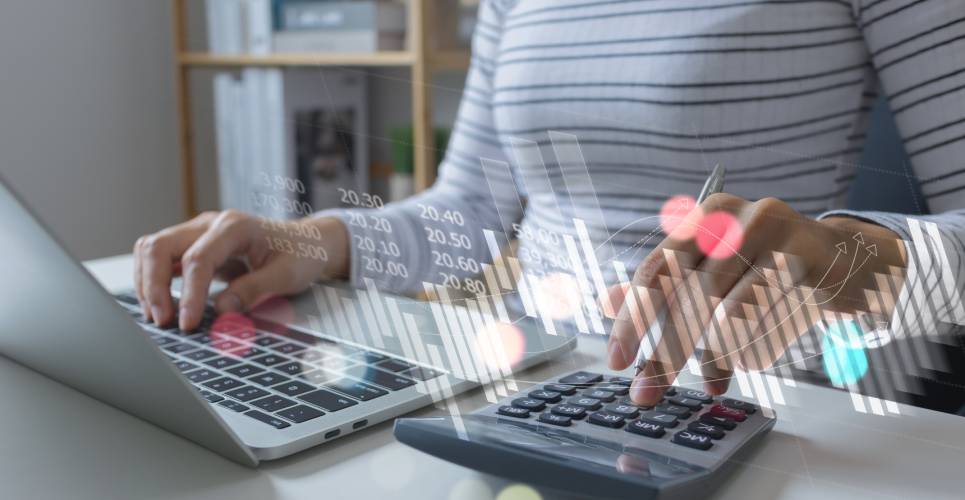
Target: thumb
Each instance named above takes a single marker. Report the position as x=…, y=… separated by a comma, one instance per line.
x=251, y=288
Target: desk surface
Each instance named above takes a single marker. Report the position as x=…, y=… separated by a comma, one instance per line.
x=58, y=443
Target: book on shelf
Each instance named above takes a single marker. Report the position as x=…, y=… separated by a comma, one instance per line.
x=339, y=26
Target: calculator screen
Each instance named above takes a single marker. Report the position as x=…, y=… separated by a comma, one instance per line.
x=584, y=451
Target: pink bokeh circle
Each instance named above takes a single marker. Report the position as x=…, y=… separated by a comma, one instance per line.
x=720, y=235
x=679, y=217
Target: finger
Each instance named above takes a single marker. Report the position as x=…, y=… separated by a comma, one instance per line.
x=716, y=372
x=138, y=292
x=615, y=296
x=158, y=253
x=228, y=235
x=278, y=277
x=748, y=306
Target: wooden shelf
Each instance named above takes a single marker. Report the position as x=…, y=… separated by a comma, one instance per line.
x=388, y=59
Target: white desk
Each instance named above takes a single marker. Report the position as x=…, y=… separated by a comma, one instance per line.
x=59, y=444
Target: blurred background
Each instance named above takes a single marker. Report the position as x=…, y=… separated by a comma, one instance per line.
x=97, y=96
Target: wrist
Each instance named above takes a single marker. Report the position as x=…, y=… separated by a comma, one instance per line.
x=888, y=243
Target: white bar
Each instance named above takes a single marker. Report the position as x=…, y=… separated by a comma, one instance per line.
x=444, y=332
x=497, y=254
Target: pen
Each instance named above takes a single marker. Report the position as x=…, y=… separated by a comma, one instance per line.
x=713, y=185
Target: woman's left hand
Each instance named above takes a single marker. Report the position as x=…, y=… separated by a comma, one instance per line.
x=743, y=280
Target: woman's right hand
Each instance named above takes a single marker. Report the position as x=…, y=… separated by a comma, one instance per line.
x=283, y=257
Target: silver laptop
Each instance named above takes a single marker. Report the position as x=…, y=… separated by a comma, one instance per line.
x=303, y=371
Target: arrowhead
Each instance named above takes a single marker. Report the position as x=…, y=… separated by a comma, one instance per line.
x=842, y=247
x=859, y=238
x=872, y=249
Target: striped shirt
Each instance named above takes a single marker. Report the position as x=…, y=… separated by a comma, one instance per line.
x=582, y=114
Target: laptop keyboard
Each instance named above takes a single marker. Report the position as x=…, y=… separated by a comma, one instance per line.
x=276, y=375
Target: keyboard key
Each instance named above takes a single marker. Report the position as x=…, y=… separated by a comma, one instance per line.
x=644, y=428
x=294, y=368
x=549, y=418
x=233, y=405
x=248, y=352
x=200, y=355
x=529, y=404
x=288, y=348
x=265, y=340
x=184, y=366
x=512, y=411
x=211, y=397
x=581, y=378
x=223, y=384
x=244, y=371
x=269, y=359
x=736, y=404
x=605, y=419
x=300, y=413
x=378, y=377
x=268, y=419
x=605, y=396
x=273, y=403
x=247, y=393
x=222, y=363
x=566, y=390
x=421, y=373
x=692, y=440
x=588, y=403
x=568, y=410
x=310, y=356
x=701, y=396
x=625, y=411
x=294, y=388
x=226, y=345
x=711, y=431
x=268, y=379
x=127, y=299
x=162, y=340
x=369, y=357
x=726, y=423
x=548, y=396
x=394, y=365
x=723, y=411
x=677, y=411
x=693, y=404
x=357, y=389
x=199, y=338
x=319, y=377
x=327, y=400
x=179, y=347
x=656, y=417
x=200, y=375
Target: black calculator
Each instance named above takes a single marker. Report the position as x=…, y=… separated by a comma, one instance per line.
x=581, y=434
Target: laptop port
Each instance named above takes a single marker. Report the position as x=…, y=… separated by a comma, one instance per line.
x=360, y=424
x=331, y=434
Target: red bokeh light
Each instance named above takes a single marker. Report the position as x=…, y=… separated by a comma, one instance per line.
x=679, y=216
x=720, y=235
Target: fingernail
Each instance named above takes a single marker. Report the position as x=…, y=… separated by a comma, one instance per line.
x=643, y=392
x=156, y=313
x=229, y=302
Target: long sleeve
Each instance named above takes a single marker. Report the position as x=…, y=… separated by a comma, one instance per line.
x=918, y=51
x=440, y=232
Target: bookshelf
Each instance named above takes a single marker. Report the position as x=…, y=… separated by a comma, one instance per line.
x=419, y=57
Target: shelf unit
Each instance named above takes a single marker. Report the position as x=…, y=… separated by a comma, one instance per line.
x=419, y=57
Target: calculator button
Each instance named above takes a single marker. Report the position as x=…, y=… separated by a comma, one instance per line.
x=723, y=411
x=724, y=422
x=701, y=396
x=511, y=411
x=691, y=403
x=582, y=378
x=706, y=429
x=605, y=396
x=568, y=410
x=588, y=403
x=656, y=417
x=646, y=429
x=548, y=396
x=671, y=391
x=628, y=401
x=617, y=390
x=560, y=420
x=529, y=404
x=736, y=404
x=692, y=440
x=625, y=411
x=605, y=419
x=677, y=411
x=624, y=381
x=566, y=390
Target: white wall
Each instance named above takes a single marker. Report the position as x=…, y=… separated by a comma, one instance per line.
x=87, y=117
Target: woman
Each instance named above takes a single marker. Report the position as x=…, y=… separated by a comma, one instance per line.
x=581, y=119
